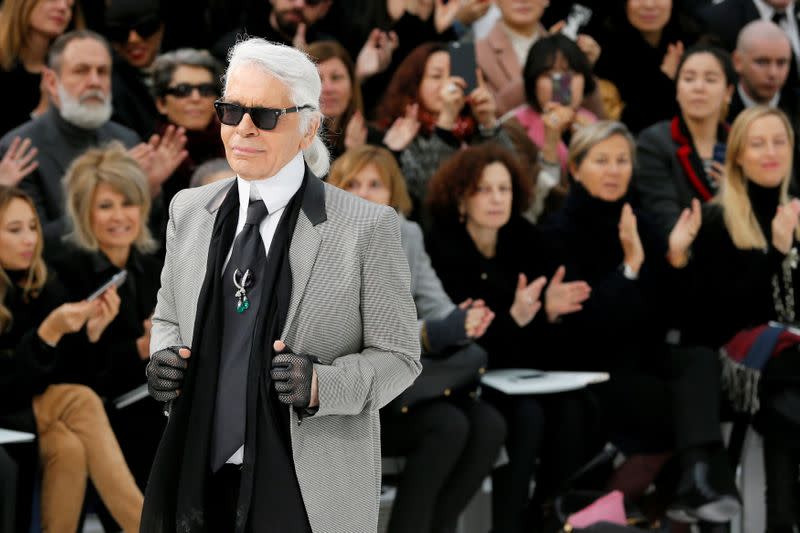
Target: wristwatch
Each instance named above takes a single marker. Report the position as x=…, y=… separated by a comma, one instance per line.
x=628, y=272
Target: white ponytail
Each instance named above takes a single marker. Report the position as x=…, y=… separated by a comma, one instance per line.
x=317, y=157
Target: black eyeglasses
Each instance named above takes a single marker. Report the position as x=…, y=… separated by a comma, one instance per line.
x=183, y=90
x=265, y=118
x=119, y=33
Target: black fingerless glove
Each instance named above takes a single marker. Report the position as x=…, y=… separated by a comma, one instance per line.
x=447, y=331
x=291, y=376
x=165, y=374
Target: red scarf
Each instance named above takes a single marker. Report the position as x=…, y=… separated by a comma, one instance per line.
x=462, y=130
x=689, y=159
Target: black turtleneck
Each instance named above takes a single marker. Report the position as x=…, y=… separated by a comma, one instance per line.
x=622, y=319
x=731, y=289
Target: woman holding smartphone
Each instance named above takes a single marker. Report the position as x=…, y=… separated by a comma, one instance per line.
x=108, y=204
x=37, y=328
x=682, y=159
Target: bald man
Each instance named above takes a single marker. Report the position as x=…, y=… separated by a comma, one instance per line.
x=762, y=60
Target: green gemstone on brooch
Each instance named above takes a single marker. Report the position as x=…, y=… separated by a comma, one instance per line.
x=243, y=306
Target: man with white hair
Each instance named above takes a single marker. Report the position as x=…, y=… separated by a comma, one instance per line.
x=78, y=83
x=762, y=60
x=301, y=330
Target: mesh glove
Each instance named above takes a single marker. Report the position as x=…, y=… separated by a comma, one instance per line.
x=291, y=375
x=165, y=374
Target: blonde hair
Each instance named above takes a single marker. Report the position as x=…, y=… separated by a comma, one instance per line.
x=37, y=272
x=353, y=160
x=736, y=208
x=15, y=17
x=113, y=166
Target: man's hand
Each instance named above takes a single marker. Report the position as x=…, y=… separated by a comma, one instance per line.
x=165, y=372
x=18, y=161
x=294, y=377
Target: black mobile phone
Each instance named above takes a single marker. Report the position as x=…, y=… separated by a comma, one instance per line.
x=463, y=63
x=115, y=281
x=562, y=88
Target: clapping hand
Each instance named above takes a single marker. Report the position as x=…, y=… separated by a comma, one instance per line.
x=526, y=299
x=355, y=134
x=18, y=161
x=376, y=54
x=105, y=310
x=784, y=225
x=161, y=156
x=444, y=14
x=472, y=10
x=478, y=319
x=482, y=103
x=403, y=130
x=629, y=239
x=669, y=66
x=683, y=234
x=564, y=298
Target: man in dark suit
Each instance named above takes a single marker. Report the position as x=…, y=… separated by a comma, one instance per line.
x=762, y=60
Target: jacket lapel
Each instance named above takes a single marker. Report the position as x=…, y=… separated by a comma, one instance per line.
x=305, y=243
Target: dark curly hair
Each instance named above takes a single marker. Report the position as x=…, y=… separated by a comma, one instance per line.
x=458, y=178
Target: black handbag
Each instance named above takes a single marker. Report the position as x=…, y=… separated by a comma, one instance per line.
x=457, y=371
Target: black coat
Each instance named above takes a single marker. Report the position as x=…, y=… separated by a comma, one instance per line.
x=731, y=289
x=112, y=365
x=134, y=105
x=624, y=321
x=466, y=273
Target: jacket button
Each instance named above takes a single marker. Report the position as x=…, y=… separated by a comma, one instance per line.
x=484, y=275
x=447, y=392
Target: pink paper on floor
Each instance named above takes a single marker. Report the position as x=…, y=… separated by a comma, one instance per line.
x=609, y=508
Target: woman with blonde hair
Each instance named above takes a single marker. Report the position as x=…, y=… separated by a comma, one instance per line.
x=450, y=444
x=27, y=27
x=108, y=204
x=36, y=327
x=744, y=265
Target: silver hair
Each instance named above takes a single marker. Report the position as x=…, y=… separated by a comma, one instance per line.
x=165, y=66
x=590, y=135
x=210, y=167
x=299, y=74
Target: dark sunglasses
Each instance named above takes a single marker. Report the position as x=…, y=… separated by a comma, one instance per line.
x=183, y=90
x=313, y=3
x=119, y=33
x=265, y=118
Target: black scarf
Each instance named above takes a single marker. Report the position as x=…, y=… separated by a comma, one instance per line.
x=764, y=201
x=176, y=491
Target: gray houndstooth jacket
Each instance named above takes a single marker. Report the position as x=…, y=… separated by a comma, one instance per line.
x=350, y=306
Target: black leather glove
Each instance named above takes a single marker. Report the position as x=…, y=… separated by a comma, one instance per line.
x=291, y=375
x=165, y=373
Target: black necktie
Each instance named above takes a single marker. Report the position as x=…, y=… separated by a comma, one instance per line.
x=241, y=289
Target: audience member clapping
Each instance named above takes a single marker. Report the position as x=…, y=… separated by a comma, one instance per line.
x=108, y=205
x=74, y=437
x=185, y=85
x=449, y=445
x=682, y=158
x=449, y=116
x=27, y=27
x=642, y=45
x=744, y=275
x=598, y=238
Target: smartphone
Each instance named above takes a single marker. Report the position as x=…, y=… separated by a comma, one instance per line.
x=115, y=281
x=719, y=153
x=463, y=63
x=562, y=88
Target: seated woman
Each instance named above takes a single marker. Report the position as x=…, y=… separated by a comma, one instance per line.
x=642, y=44
x=482, y=247
x=557, y=75
x=74, y=436
x=620, y=328
x=449, y=445
x=107, y=203
x=185, y=85
x=744, y=268
x=424, y=87
x=681, y=159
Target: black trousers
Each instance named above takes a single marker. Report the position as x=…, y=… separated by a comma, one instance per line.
x=556, y=429
x=8, y=491
x=449, y=448
x=671, y=403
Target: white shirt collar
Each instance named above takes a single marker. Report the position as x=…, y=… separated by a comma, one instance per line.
x=749, y=102
x=277, y=190
x=766, y=11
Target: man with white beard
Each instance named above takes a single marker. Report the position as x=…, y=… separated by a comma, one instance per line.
x=78, y=83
